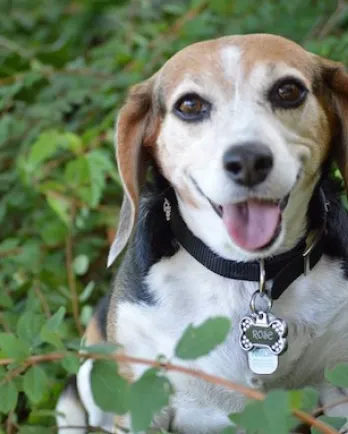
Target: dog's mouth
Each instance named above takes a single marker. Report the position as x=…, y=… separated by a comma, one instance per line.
x=253, y=224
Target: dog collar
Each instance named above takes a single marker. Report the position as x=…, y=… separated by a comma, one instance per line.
x=283, y=269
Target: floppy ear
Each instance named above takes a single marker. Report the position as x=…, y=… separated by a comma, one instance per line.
x=336, y=78
x=135, y=125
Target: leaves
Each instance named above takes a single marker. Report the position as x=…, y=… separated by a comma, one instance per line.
x=50, y=331
x=80, y=264
x=142, y=408
x=338, y=376
x=35, y=383
x=277, y=412
x=14, y=347
x=8, y=397
x=110, y=390
x=199, y=341
x=334, y=422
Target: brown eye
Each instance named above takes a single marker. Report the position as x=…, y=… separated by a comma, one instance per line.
x=192, y=107
x=289, y=93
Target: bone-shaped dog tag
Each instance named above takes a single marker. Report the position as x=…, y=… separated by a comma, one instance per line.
x=263, y=331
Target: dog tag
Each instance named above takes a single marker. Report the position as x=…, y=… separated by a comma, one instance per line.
x=262, y=361
x=263, y=331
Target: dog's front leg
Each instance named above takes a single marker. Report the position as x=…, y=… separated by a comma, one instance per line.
x=329, y=395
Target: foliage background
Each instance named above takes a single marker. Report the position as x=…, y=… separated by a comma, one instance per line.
x=64, y=69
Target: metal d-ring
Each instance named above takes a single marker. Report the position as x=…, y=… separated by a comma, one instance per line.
x=265, y=297
x=262, y=281
x=261, y=291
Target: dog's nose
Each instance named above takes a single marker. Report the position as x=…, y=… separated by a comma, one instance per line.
x=248, y=164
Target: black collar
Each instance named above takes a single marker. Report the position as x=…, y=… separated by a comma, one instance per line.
x=283, y=269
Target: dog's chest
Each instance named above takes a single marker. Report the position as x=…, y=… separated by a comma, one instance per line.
x=185, y=292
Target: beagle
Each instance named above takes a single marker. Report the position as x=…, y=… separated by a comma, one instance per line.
x=224, y=156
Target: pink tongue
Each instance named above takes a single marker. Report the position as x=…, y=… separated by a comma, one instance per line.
x=251, y=224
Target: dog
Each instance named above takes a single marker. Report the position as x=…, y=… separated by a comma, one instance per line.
x=225, y=156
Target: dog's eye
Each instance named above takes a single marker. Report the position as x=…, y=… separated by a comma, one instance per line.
x=289, y=93
x=191, y=107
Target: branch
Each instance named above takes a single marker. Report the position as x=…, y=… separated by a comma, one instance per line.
x=219, y=381
x=71, y=276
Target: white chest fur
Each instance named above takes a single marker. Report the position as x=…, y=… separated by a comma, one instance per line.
x=185, y=292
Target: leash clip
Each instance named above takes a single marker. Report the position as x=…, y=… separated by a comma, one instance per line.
x=167, y=209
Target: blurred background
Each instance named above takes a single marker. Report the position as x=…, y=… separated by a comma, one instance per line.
x=64, y=69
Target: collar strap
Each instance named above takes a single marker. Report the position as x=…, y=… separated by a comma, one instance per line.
x=283, y=269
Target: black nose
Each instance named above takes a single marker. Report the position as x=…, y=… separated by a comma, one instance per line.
x=248, y=164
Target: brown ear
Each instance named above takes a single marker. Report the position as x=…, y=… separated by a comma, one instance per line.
x=336, y=78
x=135, y=124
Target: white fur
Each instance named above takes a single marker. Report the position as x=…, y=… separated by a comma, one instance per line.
x=314, y=307
x=73, y=413
x=70, y=413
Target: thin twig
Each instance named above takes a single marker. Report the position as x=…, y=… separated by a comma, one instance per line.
x=42, y=298
x=10, y=427
x=333, y=19
x=121, y=358
x=71, y=275
x=327, y=407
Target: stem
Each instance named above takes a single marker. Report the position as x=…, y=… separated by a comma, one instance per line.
x=121, y=358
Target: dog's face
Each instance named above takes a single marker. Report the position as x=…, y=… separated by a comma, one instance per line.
x=240, y=126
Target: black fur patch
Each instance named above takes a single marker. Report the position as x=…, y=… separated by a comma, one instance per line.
x=101, y=313
x=152, y=241
x=336, y=236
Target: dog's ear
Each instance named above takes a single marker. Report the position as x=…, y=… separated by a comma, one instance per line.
x=336, y=79
x=134, y=130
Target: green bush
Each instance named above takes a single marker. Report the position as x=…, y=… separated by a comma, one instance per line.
x=64, y=69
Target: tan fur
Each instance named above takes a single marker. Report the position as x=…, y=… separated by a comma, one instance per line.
x=93, y=333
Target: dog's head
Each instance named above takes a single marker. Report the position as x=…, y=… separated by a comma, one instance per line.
x=240, y=127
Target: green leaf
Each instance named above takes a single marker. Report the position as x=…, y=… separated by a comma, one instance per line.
x=60, y=205
x=104, y=348
x=199, y=341
x=148, y=396
x=277, y=412
x=305, y=399
x=229, y=430
x=45, y=146
x=71, y=363
x=251, y=418
x=48, y=144
x=50, y=331
x=86, y=293
x=8, y=397
x=338, y=376
x=29, y=326
x=80, y=264
x=14, y=347
x=33, y=429
x=35, y=383
x=110, y=390
x=335, y=422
